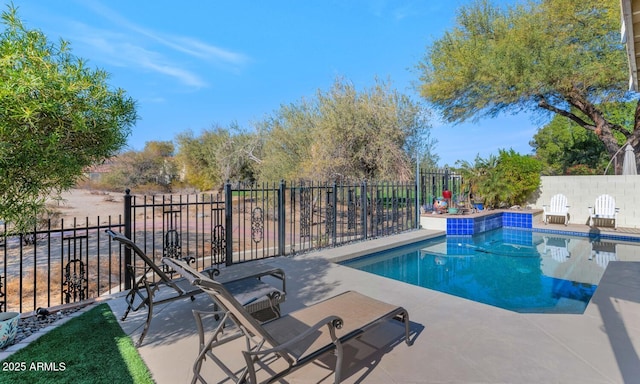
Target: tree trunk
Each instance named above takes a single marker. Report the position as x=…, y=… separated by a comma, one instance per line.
x=634, y=138
x=605, y=134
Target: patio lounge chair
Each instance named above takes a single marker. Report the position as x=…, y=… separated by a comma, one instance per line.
x=243, y=281
x=604, y=209
x=558, y=207
x=299, y=338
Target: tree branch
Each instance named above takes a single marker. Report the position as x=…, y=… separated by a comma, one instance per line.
x=542, y=103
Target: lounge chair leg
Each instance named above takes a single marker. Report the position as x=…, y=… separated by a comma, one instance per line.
x=339, y=355
x=149, y=300
x=129, y=305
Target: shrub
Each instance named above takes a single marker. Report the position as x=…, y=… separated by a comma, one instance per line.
x=506, y=180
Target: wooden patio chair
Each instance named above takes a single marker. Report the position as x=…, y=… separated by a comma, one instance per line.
x=299, y=338
x=604, y=209
x=241, y=280
x=558, y=207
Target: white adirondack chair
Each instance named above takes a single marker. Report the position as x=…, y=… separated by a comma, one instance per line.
x=604, y=208
x=557, y=207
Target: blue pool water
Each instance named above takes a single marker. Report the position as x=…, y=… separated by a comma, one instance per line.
x=518, y=270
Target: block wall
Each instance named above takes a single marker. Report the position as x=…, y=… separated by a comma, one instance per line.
x=582, y=191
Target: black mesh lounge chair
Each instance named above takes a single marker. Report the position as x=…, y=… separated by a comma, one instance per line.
x=298, y=338
x=243, y=281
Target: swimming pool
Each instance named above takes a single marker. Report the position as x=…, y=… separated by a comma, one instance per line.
x=518, y=270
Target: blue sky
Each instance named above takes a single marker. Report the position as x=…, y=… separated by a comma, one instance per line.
x=196, y=64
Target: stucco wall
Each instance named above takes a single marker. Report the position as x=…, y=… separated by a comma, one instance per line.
x=582, y=191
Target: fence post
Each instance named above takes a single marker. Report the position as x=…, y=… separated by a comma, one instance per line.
x=228, y=224
x=128, y=278
x=363, y=203
x=281, y=218
x=417, y=193
x=334, y=203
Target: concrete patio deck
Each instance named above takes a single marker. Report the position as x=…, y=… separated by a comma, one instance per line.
x=455, y=340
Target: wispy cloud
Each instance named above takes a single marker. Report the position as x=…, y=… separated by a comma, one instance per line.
x=188, y=45
x=398, y=10
x=206, y=51
x=132, y=45
x=117, y=49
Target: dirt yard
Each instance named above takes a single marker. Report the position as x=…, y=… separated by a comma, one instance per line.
x=82, y=203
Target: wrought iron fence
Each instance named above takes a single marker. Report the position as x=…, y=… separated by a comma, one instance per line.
x=76, y=261
x=52, y=266
x=434, y=181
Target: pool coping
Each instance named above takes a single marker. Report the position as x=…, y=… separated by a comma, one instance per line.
x=355, y=250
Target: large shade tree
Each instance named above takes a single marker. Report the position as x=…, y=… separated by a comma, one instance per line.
x=561, y=57
x=562, y=146
x=57, y=116
x=566, y=148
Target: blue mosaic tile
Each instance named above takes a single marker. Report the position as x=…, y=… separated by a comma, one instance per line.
x=471, y=226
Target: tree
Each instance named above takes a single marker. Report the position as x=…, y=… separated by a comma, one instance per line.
x=286, y=138
x=561, y=145
x=217, y=155
x=57, y=116
x=564, y=147
x=561, y=57
x=344, y=133
x=153, y=167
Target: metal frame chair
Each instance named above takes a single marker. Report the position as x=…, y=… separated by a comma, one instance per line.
x=299, y=338
x=241, y=280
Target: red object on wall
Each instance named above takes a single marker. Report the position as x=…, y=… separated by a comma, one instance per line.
x=446, y=194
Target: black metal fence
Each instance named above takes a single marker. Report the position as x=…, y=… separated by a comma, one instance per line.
x=434, y=181
x=76, y=260
x=51, y=266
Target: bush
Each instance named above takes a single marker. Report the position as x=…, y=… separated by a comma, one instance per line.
x=580, y=169
x=506, y=180
x=520, y=175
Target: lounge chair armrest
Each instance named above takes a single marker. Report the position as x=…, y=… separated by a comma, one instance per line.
x=199, y=315
x=175, y=265
x=332, y=322
x=212, y=272
x=278, y=273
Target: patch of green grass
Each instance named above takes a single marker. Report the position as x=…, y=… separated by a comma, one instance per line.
x=91, y=348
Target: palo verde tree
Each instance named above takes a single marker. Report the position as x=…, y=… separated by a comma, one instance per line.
x=57, y=116
x=561, y=57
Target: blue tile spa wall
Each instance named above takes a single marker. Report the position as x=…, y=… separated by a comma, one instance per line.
x=462, y=226
x=471, y=226
x=517, y=220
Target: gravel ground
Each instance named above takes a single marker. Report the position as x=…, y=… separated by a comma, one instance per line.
x=29, y=325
